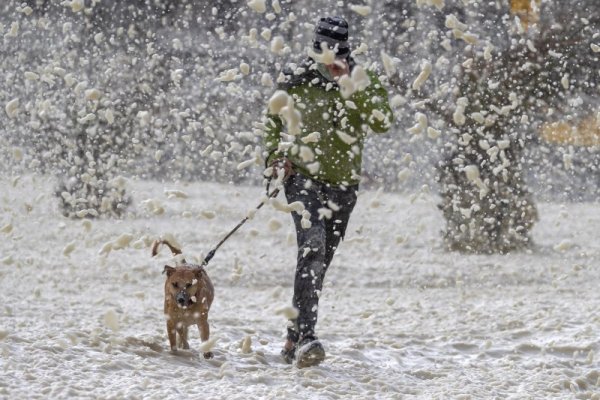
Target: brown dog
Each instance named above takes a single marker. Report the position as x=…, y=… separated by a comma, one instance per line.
x=188, y=296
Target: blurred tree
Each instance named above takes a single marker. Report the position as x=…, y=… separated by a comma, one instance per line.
x=501, y=102
x=485, y=201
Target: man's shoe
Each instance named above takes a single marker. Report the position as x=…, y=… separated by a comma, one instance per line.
x=310, y=352
x=289, y=352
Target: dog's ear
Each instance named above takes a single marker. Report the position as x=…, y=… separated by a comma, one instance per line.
x=168, y=270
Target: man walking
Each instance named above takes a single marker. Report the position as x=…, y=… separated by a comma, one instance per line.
x=321, y=164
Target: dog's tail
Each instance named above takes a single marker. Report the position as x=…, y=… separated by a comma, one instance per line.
x=157, y=244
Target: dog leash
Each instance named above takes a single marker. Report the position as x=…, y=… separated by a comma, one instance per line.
x=211, y=253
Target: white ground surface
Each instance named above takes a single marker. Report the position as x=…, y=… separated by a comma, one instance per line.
x=400, y=318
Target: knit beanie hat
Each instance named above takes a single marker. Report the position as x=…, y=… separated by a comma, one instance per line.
x=334, y=32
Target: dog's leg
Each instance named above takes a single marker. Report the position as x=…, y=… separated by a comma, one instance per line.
x=205, y=333
x=171, y=329
x=182, y=331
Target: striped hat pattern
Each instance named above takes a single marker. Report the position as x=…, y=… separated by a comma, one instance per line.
x=334, y=32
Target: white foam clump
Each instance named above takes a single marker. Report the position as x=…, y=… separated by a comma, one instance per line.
x=17, y=154
x=12, y=108
x=208, y=345
x=314, y=168
x=378, y=115
x=277, y=45
x=288, y=312
x=388, y=64
x=246, y=164
x=278, y=100
x=296, y=206
x=305, y=221
x=266, y=80
x=346, y=138
x=31, y=76
x=259, y=6
x=69, y=80
x=568, y=161
x=99, y=38
x=208, y=214
x=119, y=182
x=14, y=29
x=246, y=345
x=459, y=29
x=404, y=174
x=453, y=23
x=153, y=206
x=86, y=212
x=228, y=75
x=357, y=81
x=244, y=68
x=459, y=114
x=439, y=4
x=93, y=94
x=7, y=228
x=87, y=225
x=565, y=82
x=595, y=48
x=426, y=69
x=266, y=33
x=282, y=104
x=174, y=193
x=361, y=49
x=487, y=52
x=144, y=117
x=111, y=320
x=68, y=249
x=360, y=10
x=563, y=245
x=87, y=118
x=333, y=206
x=420, y=126
x=109, y=116
x=25, y=10
x=121, y=241
x=478, y=117
x=312, y=137
x=325, y=212
x=326, y=56
x=433, y=133
x=306, y=154
x=473, y=175
x=76, y=5
x=251, y=38
x=276, y=6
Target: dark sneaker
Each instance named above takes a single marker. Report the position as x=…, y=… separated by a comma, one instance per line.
x=288, y=354
x=310, y=353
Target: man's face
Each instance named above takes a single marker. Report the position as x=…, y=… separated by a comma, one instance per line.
x=338, y=68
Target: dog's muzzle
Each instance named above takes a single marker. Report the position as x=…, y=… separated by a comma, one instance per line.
x=182, y=299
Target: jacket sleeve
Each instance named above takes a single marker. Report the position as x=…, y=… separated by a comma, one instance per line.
x=374, y=105
x=272, y=136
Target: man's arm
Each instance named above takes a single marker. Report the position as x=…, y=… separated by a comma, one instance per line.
x=272, y=136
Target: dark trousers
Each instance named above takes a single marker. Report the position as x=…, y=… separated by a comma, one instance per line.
x=316, y=244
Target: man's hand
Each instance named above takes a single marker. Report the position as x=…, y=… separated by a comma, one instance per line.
x=338, y=69
x=283, y=167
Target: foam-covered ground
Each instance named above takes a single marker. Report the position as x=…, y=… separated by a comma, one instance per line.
x=399, y=317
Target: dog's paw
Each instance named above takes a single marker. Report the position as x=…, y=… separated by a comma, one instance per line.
x=208, y=355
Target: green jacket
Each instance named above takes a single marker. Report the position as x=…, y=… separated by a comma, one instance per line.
x=334, y=154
